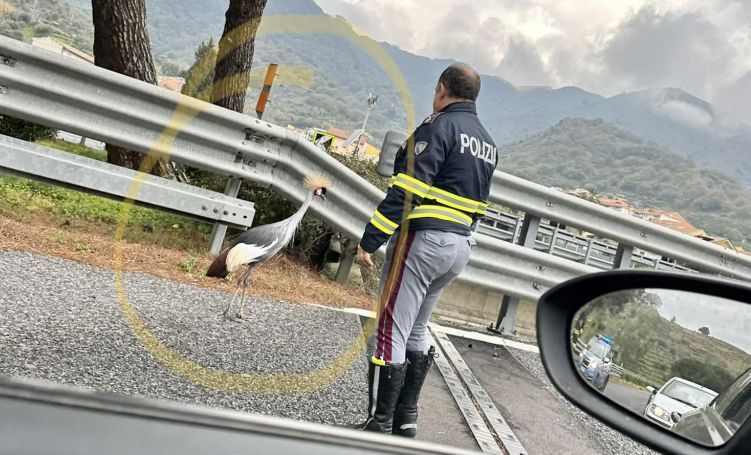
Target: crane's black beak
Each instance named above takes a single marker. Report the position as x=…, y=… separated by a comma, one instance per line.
x=322, y=196
x=321, y=193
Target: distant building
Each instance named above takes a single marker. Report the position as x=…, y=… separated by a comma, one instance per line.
x=676, y=222
x=334, y=140
x=171, y=83
x=58, y=47
x=620, y=205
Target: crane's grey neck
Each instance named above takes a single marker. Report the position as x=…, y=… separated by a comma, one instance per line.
x=297, y=216
x=292, y=222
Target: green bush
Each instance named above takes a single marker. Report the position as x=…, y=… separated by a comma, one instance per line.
x=702, y=373
x=24, y=130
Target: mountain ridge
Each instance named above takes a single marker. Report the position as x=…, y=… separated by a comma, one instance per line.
x=576, y=153
x=344, y=75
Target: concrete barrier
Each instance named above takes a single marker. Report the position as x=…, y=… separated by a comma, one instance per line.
x=475, y=305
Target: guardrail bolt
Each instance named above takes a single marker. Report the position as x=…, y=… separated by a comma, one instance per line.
x=549, y=204
x=9, y=61
x=204, y=208
x=540, y=268
x=536, y=286
x=216, y=210
x=3, y=90
x=225, y=213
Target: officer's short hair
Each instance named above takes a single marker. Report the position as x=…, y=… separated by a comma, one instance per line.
x=461, y=81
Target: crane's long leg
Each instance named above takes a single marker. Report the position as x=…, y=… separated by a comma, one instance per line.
x=229, y=305
x=244, y=281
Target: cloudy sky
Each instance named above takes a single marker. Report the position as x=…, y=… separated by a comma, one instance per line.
x=605, y=46
x=727, y=320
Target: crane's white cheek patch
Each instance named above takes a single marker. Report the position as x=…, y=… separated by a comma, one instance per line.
x=245, y=253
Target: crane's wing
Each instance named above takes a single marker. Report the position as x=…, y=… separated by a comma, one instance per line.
x=268, y=239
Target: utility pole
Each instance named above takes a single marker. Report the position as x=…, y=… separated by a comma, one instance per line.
x=371, y=102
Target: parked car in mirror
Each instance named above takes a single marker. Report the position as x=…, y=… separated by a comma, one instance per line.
x=675, y=398
x=715, y=423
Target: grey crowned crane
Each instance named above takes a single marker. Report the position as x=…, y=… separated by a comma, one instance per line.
x=259, y=244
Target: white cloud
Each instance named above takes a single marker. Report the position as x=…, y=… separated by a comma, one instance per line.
x=522, y=64
x=608, y=47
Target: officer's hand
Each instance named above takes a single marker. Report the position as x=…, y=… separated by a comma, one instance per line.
x=363, y=257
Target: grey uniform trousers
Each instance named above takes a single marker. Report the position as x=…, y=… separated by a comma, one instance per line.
x=432, y=259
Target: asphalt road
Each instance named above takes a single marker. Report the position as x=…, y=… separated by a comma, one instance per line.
x=62, y=322
x=538, y=418
x=629, y=397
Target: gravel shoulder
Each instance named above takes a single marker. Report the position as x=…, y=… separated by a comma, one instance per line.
x=61, y=322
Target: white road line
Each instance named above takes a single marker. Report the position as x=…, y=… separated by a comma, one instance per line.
x=490, y=339
x=486, y=406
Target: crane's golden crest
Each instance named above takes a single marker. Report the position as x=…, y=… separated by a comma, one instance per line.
x=317, y=181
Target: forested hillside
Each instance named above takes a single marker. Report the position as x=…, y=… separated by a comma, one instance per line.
x=25, y=19
x=578, y=152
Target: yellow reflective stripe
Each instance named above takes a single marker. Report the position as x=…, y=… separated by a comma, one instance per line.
x=378, y=215
x=410, y=184
x=447, y=198
x=408, y=187
x=438, y=216
x=458, y=198
x=381, y=227
x=441, y=213
x=456, y=201
x=422, y=185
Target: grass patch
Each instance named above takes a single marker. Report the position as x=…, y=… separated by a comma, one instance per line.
x=20, y=198
x=78, y=149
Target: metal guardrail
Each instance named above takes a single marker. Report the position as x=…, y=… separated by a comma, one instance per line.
x=57, y=92
x=85, y=174
x=546, y=203
x=559, y=242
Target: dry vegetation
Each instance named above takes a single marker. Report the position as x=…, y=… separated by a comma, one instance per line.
x=93, y=243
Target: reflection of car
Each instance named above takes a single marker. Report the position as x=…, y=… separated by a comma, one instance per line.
x=676, y=395
x=716, y=422
x=594, y=361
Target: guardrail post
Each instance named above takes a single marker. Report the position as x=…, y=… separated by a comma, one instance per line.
x=553, y=239
x=506, y=322
x=345, y=265
x=588, y=253
x=623, y=256
x=220, y=230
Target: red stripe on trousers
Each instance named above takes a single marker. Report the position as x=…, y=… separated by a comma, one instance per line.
x=386, y=324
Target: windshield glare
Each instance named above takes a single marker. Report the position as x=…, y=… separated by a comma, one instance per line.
x=597, y=349
x=687, y=394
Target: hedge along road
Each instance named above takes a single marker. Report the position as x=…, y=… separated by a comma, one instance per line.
x=186, y=110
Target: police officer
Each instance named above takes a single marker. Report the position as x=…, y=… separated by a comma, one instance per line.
x=442, y=174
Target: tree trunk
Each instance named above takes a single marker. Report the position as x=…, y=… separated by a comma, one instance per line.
x=232, y=74
x=121, y=44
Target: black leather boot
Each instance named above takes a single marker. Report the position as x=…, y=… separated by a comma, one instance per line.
x=405, y=414
x=384, y=384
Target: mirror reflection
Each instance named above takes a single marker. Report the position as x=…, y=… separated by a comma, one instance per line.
x=681, y=360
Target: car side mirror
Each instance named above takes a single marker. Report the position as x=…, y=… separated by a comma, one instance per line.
x=654, y=317
x=675, y=417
